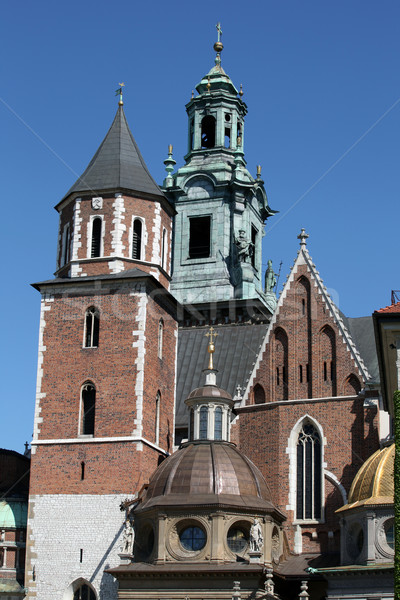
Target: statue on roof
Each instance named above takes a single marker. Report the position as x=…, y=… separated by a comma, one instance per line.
x=270, y=278
x=256, y=537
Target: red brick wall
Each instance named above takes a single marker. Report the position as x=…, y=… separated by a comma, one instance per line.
x=134, y=206
x=112, y=369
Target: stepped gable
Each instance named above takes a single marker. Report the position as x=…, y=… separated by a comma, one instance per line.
x=117, y=164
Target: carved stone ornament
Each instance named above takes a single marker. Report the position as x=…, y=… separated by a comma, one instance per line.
x=256, y=537
x=97, y=203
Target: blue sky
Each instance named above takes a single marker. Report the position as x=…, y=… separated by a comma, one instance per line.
x=322, y=85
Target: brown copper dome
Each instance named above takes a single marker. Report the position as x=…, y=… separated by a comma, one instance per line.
x=210, y=391
x=208, y=474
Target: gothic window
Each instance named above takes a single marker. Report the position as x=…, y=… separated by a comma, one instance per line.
x=203, y=426
x=137, y=239
x=160, y=338
x=92, y=324
x=208, y=132
x=96, y=237
x=259, y=394
x=84, y=592
x=157, y=419
x=227, y=142
x=199, y=237
x=218, y=423
x=281, y=364
x=309, y=473
x=88, y=408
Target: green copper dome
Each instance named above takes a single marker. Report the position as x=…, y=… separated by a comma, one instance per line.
x=13, y=514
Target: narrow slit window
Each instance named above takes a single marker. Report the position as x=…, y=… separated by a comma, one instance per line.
x=137, y=239
x=96, y=237
x=254, y=233
x=199, y=237
x=160, y=338
x=278, y=381
x=66, y=242
x=82, y=471
x=301, y=373
x=325, y=371
x=164, y=250
x=92, y=327
x=157, y=419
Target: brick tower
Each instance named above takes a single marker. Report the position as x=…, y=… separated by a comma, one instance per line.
x=104, y=412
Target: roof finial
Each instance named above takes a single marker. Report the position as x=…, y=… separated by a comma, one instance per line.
x=212, y=334
x=303, y=237
x=119, y=92
x=218, y=46
x=241, y=90
x=169, y=167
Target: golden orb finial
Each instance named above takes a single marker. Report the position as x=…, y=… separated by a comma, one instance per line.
x=212, y=334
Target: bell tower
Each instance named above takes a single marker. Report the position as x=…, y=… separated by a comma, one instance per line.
x=221, y=208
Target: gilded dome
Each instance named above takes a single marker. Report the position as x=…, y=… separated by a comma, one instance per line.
x=207, y=474
x=374, y=482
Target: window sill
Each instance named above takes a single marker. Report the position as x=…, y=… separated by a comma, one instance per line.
x=85, y=435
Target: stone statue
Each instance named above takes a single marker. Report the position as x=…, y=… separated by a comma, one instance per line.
x=129, y=536
x=256, y=537
x=245, y=248
x=270, y=278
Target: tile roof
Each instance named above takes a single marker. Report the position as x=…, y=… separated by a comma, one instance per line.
x=393, y=308
x=117, y=164
x=237, y=348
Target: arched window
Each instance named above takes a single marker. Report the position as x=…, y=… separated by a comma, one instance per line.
x=218, y=423
x=308, y=473
x=84, y=592
x=259, y=394
x=208, y=132
x=96, y=237
x=88, y=408
x=327, y=349
x=66, y=242
x=92, y=324
x=164, y=250
x=157, y=419
x=137, y=239
x=160, y=338
x=203, y=429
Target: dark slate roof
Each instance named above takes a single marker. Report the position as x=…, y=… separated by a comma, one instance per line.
x=361, y=330
x=237, y=349
x=117, y=164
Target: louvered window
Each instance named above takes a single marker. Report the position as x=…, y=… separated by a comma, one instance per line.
x=92, y=326
x=137, y=240
x=96, y=237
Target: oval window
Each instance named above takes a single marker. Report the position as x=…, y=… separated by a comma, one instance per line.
x=237, y=539
x=193, y=538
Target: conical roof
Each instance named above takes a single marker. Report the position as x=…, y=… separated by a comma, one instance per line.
x=117, y=164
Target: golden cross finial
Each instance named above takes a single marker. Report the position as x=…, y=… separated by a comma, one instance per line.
x=218, y=26
x=212, y=334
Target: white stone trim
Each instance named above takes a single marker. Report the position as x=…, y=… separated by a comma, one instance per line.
x=139, y=342
x=99, y=440
x=45, y=306
x=76, y=243
x=117, y=247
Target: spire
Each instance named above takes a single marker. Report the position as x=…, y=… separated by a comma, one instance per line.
x=211, y=373
x=218, y=46
x=117, y=163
